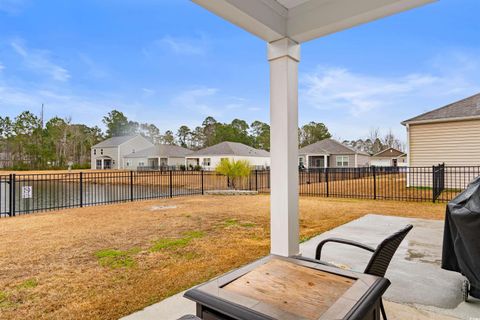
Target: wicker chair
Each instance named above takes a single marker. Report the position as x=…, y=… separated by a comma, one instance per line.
x=189, y=317
x=381, y=257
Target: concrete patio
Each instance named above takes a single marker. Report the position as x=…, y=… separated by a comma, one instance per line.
x=420, y=288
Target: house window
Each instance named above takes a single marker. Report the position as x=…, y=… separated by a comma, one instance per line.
x=94, y=151
x=342, y=161
x=101, y=152
x=99, y=164
x=141, y=164
x=206, y=162
x=128, y=163
x=301, y=161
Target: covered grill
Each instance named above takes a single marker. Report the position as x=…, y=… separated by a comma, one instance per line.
x=461, y=243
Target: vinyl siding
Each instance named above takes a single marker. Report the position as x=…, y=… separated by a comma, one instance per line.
x=455, y=143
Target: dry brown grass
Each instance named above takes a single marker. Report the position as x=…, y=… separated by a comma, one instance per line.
x=50, y=269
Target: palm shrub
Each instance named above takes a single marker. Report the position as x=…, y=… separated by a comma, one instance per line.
x=233, y=170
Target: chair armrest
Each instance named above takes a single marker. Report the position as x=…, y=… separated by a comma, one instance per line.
x=318, y=253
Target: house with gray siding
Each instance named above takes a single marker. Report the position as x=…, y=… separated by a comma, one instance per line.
x=109, y=154
x=329, y=153
x=157, y=157
x=210, y=157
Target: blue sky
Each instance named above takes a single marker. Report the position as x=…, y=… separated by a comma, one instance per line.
x=170, y=62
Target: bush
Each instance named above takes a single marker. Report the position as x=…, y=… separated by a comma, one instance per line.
x=78, y=166
x=233, y=170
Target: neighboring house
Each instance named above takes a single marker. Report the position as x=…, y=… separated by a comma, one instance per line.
x=159, y=156
x=109, y=154
x=329, y=153
x=210, y=157
x=449, y=135
x=390, y=157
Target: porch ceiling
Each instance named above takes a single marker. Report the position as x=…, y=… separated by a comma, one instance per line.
x=303, y=20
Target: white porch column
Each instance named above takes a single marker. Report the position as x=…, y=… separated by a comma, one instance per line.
x=284, y=56
x=325, y=161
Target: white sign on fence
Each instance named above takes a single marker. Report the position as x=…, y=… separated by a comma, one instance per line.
x=27, y=192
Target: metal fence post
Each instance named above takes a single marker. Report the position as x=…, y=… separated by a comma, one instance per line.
x=256, y=180
x=326, y=180
x=374, y=171
x=434, y=184
x=81, y=189
x=203, y=188
x=13, y=197
x=131, y=185
x=171, y=184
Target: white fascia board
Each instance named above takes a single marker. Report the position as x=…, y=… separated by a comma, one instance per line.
x=318, y=18
x=266, y=19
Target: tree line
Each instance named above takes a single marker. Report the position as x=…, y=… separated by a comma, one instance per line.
x=26, y=142
x=210, y=132
x=376, y=142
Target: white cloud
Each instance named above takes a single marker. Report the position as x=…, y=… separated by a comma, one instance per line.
x=14, y=100
x=198, y=100
x=351, y=103
x=93, y=69
x=334, y=88
x=358, y=94
x=184, y=46
x=39, y=60
x=148, y=92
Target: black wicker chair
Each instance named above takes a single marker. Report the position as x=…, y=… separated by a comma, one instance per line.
x=189, y=317
x=382, y=255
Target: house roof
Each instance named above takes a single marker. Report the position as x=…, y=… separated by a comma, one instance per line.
x=389, y=153
x=328, y=146
x=114, y=141
x=162, y=150
x=466, y=108
x=231, y=149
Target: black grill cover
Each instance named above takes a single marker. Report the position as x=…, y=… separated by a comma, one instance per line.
x=461, y=239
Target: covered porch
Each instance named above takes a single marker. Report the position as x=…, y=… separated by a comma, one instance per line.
x=103, y=163
x=314, y=161
x=284, y=25
x=420, y=288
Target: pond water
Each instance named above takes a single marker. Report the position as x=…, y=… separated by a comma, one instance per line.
x=43, y=195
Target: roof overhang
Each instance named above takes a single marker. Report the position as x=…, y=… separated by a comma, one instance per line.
x=414, y=122
x=303, y=20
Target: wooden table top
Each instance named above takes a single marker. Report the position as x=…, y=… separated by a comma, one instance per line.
x=292, y=288
x=285, y=288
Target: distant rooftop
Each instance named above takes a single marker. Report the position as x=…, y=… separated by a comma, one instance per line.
x=328, y=146
x=231, y=149
x=162, y=150
x=114, y=141
x=466, y=108
x=389, y=152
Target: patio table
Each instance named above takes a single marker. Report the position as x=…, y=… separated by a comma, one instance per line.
x=286, y=288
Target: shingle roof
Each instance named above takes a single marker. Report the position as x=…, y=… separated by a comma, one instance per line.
x=328, y=146
x=114, y=142
x=231, y=148
x=469, y=107
x=389, y=152
x=162, y=150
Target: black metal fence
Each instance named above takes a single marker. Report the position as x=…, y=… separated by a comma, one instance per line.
x=27, y=193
